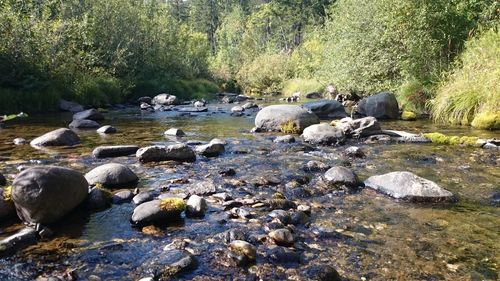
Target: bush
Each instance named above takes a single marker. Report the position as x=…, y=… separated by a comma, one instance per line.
x=487, y=120
x=265, y=74
x=97, y=90
x=184, y=89
x=303, y=86
x=472, y=89
x=413, y=96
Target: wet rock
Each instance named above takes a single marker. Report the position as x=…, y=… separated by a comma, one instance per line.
x=46, y=194
x=114, y=151
x=124, y=196
x=147, y=100
x=240, y=213
x=273, y=117
x=90, y=114
x=280, y=203
x=323, y=134
x=165, y=99
x=199, y=103
x=175, y=152
x=107, y=130
x=7, y=209
x=192, y=109
x=281, y=215
x=146, y=106
x=405, y=137
x=174, y=132
x=143, y=197
x=98, y=199
x=3, y=180
x=316, y=166
x=340, y=176
x=284, y=139
x=313, y=95
x=408, y=186
x=282, y=237
x=229, y=172
x=321, y=272
x=249, y=105
x=18, y=241
x=492, y=146
x=112, y=175
x=83, y=124
x=211, y=149
x=202, y=188
x=237, y=109
x=382, y=106
x=299, y=217
x=168, y=264
x=378, y=139
x=282, y=255
x=354, y=152
x=231, y=235
x=245, y=248
x=330, y=109
x=196, y=206
x=70, y=106
x=59, y=137
x=357, y=128
x=158, y=211
x=19, y=141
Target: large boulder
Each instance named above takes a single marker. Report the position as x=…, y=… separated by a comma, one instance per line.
x=70, y=106
x=408, y=186
x=381, y=106
x=89, y=114
x=83, y=124
x=112, y=175
x=46, y=194
x=273, y=117
x=323, y=134
x=331, y=109
x=357, y=128
x=341, y=176
x=114, y=151
x=165, y=99
x=175, y=152
x=59, y=137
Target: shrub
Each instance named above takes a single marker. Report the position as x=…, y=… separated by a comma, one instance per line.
x=413, y=96
x=487, y=120
x=265, y=74
x=303, y=86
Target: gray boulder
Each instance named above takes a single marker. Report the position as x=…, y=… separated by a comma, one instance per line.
x=112, y=175
x=83, y=124
x=340, y=176
x=357, y=128
x=46, y=194
x=381, y=106
x=114, y=151
x=59, y=137
x=175, y=152
x=326, y=109
x=212, y=149
x=107, y=130
x=408, y=186
x=70, y=106
x=89, y=114
x=272, y=117
x=165, y=99
x=123, y=196
x=323, y=134
x=196, y=206
x=153, y=211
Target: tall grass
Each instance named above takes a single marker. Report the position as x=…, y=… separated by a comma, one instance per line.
x=303, y=86
x=473, y=88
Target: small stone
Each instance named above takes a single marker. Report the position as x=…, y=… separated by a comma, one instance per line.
x=354, y=151
x=83, y=124
x=245, y=248
x=20, y=141
x=107, y=130
x=282, y=237
x=284, y=139
x=122, y=197
x=143, y=197
x=340, y=176
x=196, y=206
x=97, y=199
x=316, y=166
x=174, y=132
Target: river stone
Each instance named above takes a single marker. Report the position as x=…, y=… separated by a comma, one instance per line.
x=284, y=139
x=97, y=199
x=272, y=117
x=59, y=137
x=145, y=99
x=212, y=149
x=46, y=194
x=3, y=180
x=89, y=114
x=165, y=99
x=330, y=109
x=23, y=238
x=20, y=141
x=151, y=212
x=323, y=134
x=341, y=176
x=245, y=248
x=70, y=106
x=282, y=237
x=249, y=105
x=7, y=208
x=175, y=152
x=354, y=151
x=112, y=175
x=196, y=206
x=316, y=166
x=320, y=272
x=168, y=264
x=202, y=188
x=313, y=95
x=107, y=130
x=408, y=186
x=237, y=109
x=143, y=197
x=381, y=106
x=123, y=196
x=114, y=151
x=83, y=124
x=174, y=132
x=282, y=255
x=402, y=136
x=361, y=127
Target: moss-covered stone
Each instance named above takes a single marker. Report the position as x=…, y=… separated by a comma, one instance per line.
x=439, y=138
x=487, y=120
x=7, y=193
x=173, y=205
x=408, y=116
x=289, y=128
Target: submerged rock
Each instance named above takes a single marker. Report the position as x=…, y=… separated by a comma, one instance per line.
x=168, y=264
x=282, y=237
x=330, y=109
x=382, y=106
x=107, y=130
x=112, y=175
x=284, y=139
x=175, y=152
x=323, y=134
x=340, y=176
x=274, y=117
x=408, y=186
x=59, y=137
x=212, y=149
x=202, y=188
x=89, y=114
x=25, y=237
x=46, y=194
x=114, y=151
x=83, y=124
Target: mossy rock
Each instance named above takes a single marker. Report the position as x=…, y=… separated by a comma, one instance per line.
x=7, y=193
x=173, y=205
x=438, y=138
x=408, y=116
x=487, y=120
x=289, y=128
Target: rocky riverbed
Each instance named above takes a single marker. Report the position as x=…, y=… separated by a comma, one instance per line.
x=258, y=208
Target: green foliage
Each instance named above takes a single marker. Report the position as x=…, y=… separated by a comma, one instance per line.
x=7, y=193
x=303, y=86
x=438, y=138
x=173, y=205
x=413, y=96
x=185, y=89
x=265, y=74
x=487, y=120
x=472, y=88
x=408, y=115
x=289, y=128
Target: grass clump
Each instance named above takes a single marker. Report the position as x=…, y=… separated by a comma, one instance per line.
x=408, y=116
x=303, y=86
x=289, y=128
x=472, y=90
x=173, y=205
x=7, y=193
x=438, y=138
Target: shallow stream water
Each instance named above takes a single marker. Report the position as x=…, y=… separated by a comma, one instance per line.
x=363, y=235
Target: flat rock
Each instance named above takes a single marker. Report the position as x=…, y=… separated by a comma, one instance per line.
x=284, y=139
x=168, y=264
x=202, y=188
x=272, y=117
x=112, y=175
x=175, y=152
x=59, y=137
x=212, y=149
x=83, y=124
x=323, y=134
x=357, y=128
x=192, y=109
x=330, y=109
x=89, y=114
x=408, y=186
x=114, y=151
x=70, y=106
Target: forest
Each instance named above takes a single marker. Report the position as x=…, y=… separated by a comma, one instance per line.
x=439, y=57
